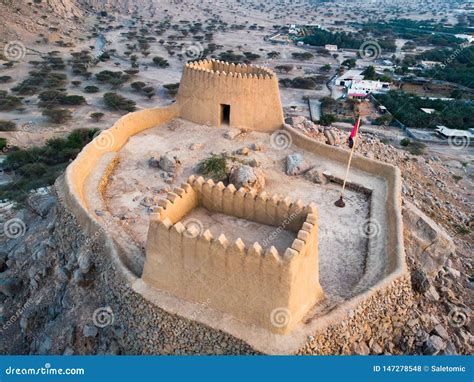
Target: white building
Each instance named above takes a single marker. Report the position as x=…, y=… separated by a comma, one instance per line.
x=453, y=133
x=430, y=64
x=349, y=76
x=362, y=88
x=331, y=48
x=469, y=38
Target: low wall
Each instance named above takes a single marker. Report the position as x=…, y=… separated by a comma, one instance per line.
x=112, y=140
x=248, y=283
x=77, y=173
x=392, y=205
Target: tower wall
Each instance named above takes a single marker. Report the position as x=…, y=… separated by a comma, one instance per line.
x=251, y=92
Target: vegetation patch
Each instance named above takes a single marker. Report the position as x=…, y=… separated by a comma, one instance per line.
x=37, y=167
x=115, y=101
x=7, y=125
x=455, y=114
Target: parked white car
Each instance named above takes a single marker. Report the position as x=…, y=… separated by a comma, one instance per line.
x=454, y=133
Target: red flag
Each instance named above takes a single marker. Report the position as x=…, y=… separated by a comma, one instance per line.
x=354, y=131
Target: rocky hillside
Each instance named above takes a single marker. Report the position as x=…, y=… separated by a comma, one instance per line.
x=23, y=19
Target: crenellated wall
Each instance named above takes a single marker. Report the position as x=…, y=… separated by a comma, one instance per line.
x=251, y=92
x=249, y=283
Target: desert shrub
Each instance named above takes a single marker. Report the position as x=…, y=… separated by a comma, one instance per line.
x=405, y=142
x=57, y=115
x=284, y=68
x=7, y=125
x=302, y=55
x=91, y=89
x=383, y=120
x=138, y=85
x=117, y=102
x=97, y=116
x=3, y=143
x=112, y=78
x=72, y=100
x=416, y=148
x=327, y=119
x=149, y=91
x=214, y=167
x=50, y=98
x=273, y=54
x=40, y=79
x=55, y=80
x=299, y=82
x=230, y=56
x=350, y=63
x=132, y=72
x=328, y=102
x=160, y=62
x=172, y=88
x=251, y=56
x=9, y=102
x=5, y=79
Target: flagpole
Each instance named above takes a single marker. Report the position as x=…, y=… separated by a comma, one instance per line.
x=340, y=202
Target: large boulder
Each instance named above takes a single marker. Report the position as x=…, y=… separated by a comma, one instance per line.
x=296, y=165
x=169, y=164
x=248, y=177
x=316, y=176
x=331, y=137
x=425, y=241
x=296, y=120
x=9, y=286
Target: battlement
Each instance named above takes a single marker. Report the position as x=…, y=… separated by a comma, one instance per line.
x=190, y=263
x=221, y=68
x=218, y=93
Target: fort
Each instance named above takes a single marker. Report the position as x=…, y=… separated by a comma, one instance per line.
x=278, y=271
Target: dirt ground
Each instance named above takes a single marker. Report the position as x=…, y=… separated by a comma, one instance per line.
x=135, y=186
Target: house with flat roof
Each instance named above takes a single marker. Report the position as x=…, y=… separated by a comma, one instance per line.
x=349, y=76
x=362, y=88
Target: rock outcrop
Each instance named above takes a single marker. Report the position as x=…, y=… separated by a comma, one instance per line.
x=428, y=243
